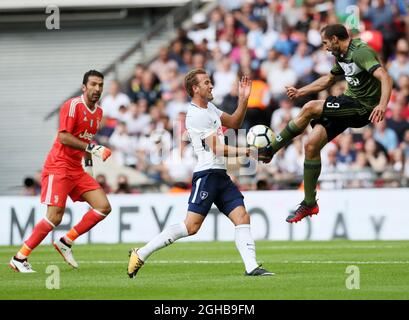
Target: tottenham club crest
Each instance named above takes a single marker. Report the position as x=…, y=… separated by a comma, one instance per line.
x=203, y=194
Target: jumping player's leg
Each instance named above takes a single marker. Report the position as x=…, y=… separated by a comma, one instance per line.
x=138, y=256
x=311, y=110
x=244, y=241
x=317, y=139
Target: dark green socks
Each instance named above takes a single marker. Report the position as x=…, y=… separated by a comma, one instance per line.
x=285, y=136
x=312, y=170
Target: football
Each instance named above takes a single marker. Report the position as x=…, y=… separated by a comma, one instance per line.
x=260, y=136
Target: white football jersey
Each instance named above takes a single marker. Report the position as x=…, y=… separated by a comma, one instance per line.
x=200, y=124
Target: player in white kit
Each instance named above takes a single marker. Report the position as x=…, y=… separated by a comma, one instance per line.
x=210, y=183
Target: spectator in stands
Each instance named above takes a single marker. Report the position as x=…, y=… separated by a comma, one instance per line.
x=294, y=157
x=199, y=61
x=176, y=51
x=376, y=157
x=286, y=112
x=260, y=9
x=187, y=61
x=162, y=65
x=269, y=64
x=240, y=48
x=123, y=185
x=224, y=43
x=330, y=174
x=111, y=105
x=363, y=177
x=29, y=187
x=262, y=183
x=314, y=36
x=280, y=77
x=322, y=62
x=386, y=136
x=404, y=145
x=178, y=166
x=399, y=65
x=123, y=146
x=302, y=63
x=148, y=90
x=229, y=103
x=396, y=120
x=136, y=80
x=346, y=154
x=230, y=29
x=285, y=44
x=223, y=79
x=201, y=31
x=137, y=120
x=276, y=20
x=111, y=102
x=102, y=180
x=182, y=36
x=260, y=39
x=244, y=17
x=381, y=17
x=171, y=82
x=177, y=105
x=397, y=162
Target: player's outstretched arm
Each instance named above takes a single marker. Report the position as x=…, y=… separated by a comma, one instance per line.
x=69, y=140
x=378, y=112
x=221, y=149
x=318, y=85
x=224, y=150
x=235, y=120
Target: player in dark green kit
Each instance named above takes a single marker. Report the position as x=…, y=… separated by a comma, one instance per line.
x=364, y=101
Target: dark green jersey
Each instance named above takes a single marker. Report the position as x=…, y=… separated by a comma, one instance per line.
x=357, y=65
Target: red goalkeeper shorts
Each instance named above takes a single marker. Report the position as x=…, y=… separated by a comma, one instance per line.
x=56, y=187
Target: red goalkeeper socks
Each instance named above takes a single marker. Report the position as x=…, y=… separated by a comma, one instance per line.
x=40, y=231
x=88, y=221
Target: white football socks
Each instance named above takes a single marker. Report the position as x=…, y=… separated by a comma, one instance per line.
x=246, y=246
x=165, y=238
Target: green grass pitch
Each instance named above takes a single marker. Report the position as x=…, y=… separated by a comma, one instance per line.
x=213, y=270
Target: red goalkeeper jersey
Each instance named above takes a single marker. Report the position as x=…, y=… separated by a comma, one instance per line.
x=82, y=122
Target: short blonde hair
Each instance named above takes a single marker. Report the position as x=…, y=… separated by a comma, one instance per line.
x=191, y=80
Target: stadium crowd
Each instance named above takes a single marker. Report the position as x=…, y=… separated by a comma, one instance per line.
x=278, y=43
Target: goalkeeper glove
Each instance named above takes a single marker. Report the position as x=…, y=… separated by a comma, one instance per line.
x=98, y=151
x=88, y=167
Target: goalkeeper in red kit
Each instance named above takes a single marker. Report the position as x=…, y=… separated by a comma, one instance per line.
x=63, y=174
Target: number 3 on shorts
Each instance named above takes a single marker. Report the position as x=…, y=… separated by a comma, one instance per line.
x=334, y=105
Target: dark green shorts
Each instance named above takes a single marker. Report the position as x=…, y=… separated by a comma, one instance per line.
x=340, y=113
